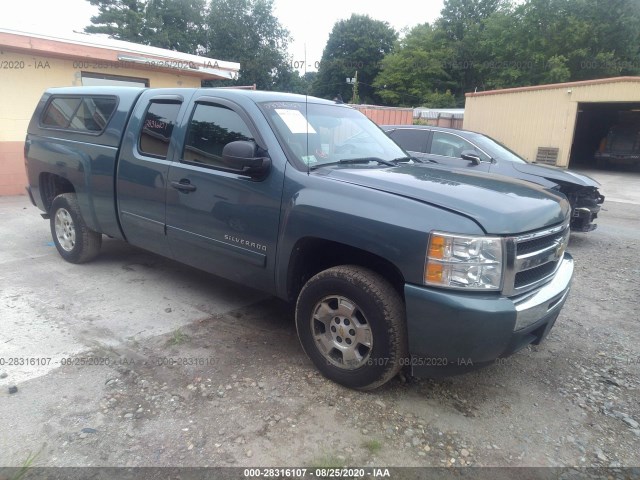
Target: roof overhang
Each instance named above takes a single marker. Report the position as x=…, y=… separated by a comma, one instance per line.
x=118, y=54
x=553, y=86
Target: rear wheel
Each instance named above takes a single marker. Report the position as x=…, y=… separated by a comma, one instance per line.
x=351, y=323
x=75, y=242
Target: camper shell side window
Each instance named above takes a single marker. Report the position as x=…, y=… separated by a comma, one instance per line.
x=89, y=114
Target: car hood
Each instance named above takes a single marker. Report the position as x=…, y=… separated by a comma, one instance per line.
x=556, y=174
x=499, y=204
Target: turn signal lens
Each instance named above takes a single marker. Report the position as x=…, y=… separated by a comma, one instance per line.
x=436, y=247
x=434, y=273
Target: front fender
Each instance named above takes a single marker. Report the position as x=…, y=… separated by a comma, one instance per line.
x=387, y=225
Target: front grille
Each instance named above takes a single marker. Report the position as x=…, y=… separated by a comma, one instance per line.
x=534, y=258
x=527, y=277
x=536, y=244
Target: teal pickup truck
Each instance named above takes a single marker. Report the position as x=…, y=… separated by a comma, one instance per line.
x=392, y=263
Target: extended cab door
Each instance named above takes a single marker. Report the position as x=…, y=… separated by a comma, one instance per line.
x=143, y=166
x=219, y=221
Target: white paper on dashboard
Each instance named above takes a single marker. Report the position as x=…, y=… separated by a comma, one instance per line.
x=295, y=121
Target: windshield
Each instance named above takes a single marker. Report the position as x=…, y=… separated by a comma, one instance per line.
x=316, y=134
x=496, y=149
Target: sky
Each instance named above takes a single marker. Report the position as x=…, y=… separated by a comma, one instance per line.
x=309, y=23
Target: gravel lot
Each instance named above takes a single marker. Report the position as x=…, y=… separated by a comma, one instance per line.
x=252, y=398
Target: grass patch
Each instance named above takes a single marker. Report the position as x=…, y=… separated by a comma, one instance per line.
x=178, y=338
x=26, y=465
x=373, y=446
x=327, y=461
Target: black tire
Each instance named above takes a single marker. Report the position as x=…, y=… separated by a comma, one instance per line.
x=75, y=242
x=377, y=308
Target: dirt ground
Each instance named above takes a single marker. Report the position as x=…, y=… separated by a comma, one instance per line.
x=167, y=366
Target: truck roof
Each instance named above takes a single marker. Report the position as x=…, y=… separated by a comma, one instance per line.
x=255, y=95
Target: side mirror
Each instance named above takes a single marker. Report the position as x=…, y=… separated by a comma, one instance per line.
x=472, y=156
x=241, y=157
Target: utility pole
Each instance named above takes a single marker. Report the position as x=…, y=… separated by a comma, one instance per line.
x=355, y=98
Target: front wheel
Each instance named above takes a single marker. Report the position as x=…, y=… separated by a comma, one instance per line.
x=75, y=242
x=351, y=323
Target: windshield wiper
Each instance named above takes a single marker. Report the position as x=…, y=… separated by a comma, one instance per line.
x=347, y=161
x=408, y=159
x=367, y=160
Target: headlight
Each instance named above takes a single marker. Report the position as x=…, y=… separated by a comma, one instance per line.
x=470, y=263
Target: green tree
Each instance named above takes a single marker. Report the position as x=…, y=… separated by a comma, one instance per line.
x=176, y=24
x=244, y=31
x=462, y=24
x=608, y=43
x=506, y=60
x=172, y=24
x=549, y=41
x=120, y=19
x=292, y=82
x=358, y=43
x=458, y=17
x=415, y=73
x=248, y=32
x=556, y=42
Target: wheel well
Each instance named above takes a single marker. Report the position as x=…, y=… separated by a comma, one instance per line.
x=313, y=255
x=51, y=186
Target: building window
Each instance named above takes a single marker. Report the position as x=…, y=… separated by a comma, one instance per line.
x=90, y=79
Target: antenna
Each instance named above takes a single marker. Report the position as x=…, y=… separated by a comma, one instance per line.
x=306, y=108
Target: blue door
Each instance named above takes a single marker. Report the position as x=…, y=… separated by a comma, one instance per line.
x=218, y=220
x=143, y=167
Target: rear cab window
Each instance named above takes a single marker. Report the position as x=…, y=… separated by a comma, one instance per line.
x=410, y=139
x=157, y=128
x=82, y=114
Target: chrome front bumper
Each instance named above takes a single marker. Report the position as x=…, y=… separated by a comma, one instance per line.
x=535, y=305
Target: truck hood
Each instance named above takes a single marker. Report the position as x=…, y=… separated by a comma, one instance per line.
x=499, y=204
x=556, y=174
